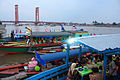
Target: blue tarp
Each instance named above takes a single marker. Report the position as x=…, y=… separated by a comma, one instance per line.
x=61, y=55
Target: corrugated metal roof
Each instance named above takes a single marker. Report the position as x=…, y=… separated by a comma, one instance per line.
x=101, y=42
x=49, y=33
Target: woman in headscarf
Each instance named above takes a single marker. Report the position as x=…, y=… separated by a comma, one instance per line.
x=71, y=71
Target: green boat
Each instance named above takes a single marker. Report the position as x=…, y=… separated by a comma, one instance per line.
x=17, y=48
x=13, y=47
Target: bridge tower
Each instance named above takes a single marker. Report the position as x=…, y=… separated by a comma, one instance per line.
x=37, y=15
x=16, y=14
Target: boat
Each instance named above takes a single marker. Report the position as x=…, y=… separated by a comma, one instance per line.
x=14, y=48
x=9, y=71
x=16, y=69
x=38, y=40
x=17, y=48
x=47, y=51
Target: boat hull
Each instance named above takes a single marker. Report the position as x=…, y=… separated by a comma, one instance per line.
x=13, y=50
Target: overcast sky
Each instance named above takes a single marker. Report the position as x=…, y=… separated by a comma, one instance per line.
x=80, y=11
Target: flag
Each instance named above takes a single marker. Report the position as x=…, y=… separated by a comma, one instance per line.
x=28, y=28
x=62, y=28
x=94, y=34
x=40, y=59
x=74, y=27
x=12, y=31
x=20, y=31
x=16, y=31
x=46, y=30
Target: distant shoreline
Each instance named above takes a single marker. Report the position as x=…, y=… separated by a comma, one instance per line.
x=89, y=25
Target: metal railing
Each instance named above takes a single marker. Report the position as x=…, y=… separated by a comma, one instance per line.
x=49, y=74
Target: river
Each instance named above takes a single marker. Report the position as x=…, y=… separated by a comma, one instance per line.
x=12, y=59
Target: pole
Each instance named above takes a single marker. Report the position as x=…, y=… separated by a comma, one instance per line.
x=105, y=66
x=80, y=52
x=67, y=55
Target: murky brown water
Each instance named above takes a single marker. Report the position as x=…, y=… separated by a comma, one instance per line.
x=12, y=59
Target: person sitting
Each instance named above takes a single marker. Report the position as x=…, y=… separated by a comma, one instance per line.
x=83, y=61
x=32, y=64
x=78, y=63
x=89, y=61
x=96, y=75
x=72, y=72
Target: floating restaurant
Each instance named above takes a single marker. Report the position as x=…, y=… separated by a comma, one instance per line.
x=109, y=45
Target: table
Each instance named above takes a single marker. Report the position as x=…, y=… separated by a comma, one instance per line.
x=84, y=72
x=88, y=71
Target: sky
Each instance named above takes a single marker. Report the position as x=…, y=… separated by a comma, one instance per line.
x=80, y=11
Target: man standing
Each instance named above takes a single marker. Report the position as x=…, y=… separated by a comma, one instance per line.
x=112, y=69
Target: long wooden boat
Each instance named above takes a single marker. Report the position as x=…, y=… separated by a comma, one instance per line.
x=13, y=47
x=17, y=69
x=17, y=48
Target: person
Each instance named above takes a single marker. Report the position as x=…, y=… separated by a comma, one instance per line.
x=78, y=63
x=71, y=72
x=28, y=42
x=89, y=60
x=32, y=64
x=12, y=36
x=117, y=62
x=83, y=60
x=96, y=75
x=112, y=69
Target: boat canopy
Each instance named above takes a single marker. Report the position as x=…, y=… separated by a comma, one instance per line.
x=50, y=34
x=61, y=55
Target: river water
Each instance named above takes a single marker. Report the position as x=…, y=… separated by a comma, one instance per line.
x=12, y=59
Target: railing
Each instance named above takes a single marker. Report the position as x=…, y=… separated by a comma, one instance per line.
x=52, y=73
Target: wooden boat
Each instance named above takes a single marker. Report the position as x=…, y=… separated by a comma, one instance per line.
x=17, y=48
x=48, y=51
x=14, y=48
x=38, y=40
x=17, y=69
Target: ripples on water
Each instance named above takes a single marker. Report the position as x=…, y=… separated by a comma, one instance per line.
x=12, y=59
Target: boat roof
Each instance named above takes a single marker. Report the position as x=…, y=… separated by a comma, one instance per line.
x=51, y=34
x=100, y=43
x=21, y=34
x=77, y=32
